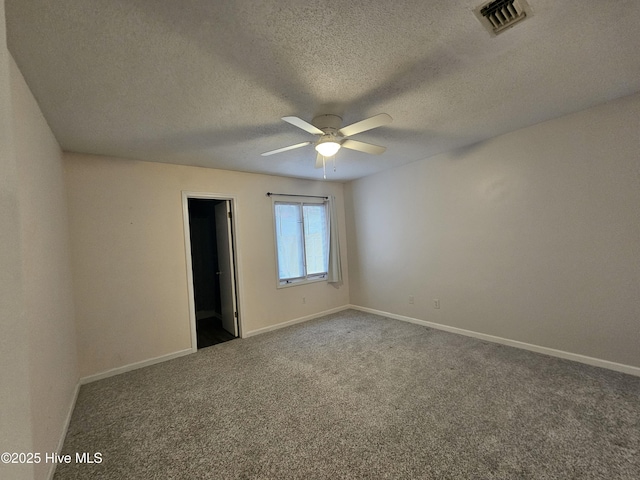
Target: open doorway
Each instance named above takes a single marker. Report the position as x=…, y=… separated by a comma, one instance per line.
x=213, y=273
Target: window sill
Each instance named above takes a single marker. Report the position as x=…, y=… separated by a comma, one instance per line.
x=307, y=281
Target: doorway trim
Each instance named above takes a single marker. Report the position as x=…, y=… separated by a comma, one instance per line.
x=186, y=195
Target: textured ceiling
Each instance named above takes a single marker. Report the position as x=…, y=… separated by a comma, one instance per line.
x=202, y=82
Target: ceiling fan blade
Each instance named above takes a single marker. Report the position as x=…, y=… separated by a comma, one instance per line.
x=306, y=126
x=319, y=161
x=363, y=147
x=284, y=149
x=366, y=124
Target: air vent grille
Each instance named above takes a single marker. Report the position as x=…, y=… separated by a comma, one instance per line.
x=499, y=15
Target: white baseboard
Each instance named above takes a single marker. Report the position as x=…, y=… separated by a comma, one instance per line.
x=170, y=356
x=596, y=362
x=65, y=428
x=134, y=366
x=278, y=326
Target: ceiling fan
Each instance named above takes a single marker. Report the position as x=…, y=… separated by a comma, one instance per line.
x=332, y=137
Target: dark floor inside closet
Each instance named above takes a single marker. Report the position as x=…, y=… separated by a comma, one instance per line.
x=210, y=332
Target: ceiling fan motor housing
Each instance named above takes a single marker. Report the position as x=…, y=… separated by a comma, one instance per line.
x=329, y=124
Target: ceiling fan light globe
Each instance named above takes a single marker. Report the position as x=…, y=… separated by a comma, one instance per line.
x=328, y=149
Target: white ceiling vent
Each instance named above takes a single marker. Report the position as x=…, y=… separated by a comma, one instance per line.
x=500, y=15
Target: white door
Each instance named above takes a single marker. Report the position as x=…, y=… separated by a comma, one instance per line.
x=226, y=272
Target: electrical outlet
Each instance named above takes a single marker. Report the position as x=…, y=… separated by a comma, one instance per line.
x=436, y=303
x=304, y=299
x=411, y=299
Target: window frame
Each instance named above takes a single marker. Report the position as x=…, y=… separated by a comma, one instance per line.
x=306, y=279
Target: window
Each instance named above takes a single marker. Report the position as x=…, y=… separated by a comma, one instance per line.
x=302, y=241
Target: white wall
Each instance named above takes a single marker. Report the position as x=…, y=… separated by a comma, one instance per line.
x=533, y=236
x=129, y=261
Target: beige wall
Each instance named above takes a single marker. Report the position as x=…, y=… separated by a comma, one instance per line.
x=129, y=261
x=39, y=371
x=532, y=236
x=15, y=413
x=46, y=268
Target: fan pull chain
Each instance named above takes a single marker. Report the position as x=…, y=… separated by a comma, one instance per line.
x=324, y=167
x=334, y=163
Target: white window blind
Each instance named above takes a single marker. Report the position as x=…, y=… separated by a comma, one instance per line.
x=302, y=241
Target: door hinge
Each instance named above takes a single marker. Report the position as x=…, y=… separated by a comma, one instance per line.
x=229, y=214
x=235, y=314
